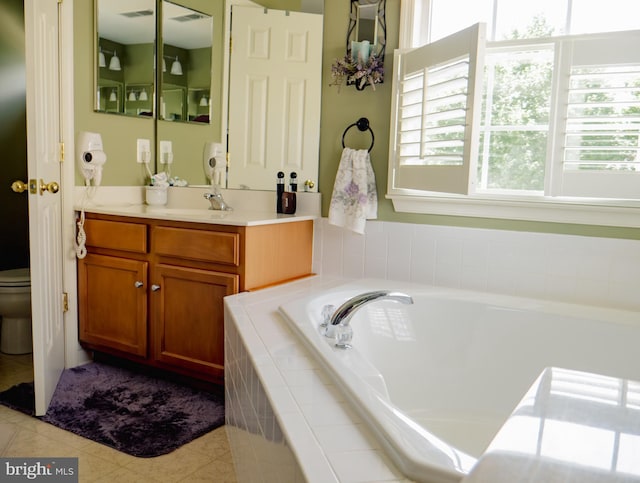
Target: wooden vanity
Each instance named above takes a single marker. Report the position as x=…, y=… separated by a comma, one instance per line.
x=151, y=290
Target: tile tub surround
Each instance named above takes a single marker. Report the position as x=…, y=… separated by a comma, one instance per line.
x=329, y=441
x=274, y=385
x=563, y=268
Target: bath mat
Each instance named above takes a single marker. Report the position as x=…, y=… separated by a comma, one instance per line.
x=19, y=397
x=131, y=412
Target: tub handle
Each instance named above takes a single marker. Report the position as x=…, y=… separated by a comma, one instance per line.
x=327, y=313
x=343, y=335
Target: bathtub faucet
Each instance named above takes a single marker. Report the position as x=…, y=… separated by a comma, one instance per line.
x=337, y=325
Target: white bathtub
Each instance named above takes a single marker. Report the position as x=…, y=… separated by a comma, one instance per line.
x=437, y=379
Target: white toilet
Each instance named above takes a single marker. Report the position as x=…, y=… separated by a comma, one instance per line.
x=15, y=311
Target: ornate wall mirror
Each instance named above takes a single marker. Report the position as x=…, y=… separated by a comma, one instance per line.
x=367, y=24
x=124, y=57
x=366, y=43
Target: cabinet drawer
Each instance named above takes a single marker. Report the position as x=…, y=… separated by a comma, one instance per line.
x=116, y=235
x=206, y=246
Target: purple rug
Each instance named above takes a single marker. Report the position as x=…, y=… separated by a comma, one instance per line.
x=131, y=412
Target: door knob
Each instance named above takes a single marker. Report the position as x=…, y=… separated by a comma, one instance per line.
x=19, y=186
x=51, y=187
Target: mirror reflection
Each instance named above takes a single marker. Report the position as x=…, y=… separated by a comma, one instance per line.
x=189, y=110
x=125, y=53
x=186, y=64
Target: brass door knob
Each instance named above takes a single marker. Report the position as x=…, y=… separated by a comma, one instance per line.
x=19, y=186
x=51, y=187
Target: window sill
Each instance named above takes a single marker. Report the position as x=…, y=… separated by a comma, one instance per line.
x=544, y=209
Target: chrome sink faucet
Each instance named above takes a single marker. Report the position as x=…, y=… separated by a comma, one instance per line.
x=336, y=324
x=217, y=201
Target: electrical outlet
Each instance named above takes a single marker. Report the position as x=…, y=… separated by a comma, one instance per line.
x=143, y=151
x=166, y=152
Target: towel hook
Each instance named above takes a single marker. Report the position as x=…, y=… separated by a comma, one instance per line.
x=362, y=124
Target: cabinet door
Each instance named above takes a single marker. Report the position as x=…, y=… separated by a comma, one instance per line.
x=113, y=303
x=188, y=318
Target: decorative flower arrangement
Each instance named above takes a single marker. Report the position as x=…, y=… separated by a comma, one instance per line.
x=357, y=72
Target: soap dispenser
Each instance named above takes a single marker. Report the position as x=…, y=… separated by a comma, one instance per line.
x=289, y=197
x=279, y=191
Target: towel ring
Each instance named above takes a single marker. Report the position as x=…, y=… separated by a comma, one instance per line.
x=362, y=124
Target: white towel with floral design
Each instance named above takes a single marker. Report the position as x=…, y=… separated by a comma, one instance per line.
x=354, y=199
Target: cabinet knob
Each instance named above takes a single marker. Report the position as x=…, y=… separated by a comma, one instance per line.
x=138, y=284
x=155, y=287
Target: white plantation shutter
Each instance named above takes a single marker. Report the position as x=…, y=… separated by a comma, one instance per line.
x=599, y=152
x=434, y=125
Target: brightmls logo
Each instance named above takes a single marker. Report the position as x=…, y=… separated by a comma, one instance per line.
x=53, y=470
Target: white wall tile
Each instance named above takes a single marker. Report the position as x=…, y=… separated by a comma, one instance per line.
x=578, y=269
x=354, y=255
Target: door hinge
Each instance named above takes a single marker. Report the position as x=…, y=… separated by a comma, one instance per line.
x=61, y=152
x=230, y=45
x=228, y=159
x=65, y=302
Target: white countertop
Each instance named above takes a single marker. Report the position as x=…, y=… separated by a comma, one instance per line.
x=250, y=208
x=198, y=215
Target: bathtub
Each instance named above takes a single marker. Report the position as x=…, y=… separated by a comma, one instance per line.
x=436, y=380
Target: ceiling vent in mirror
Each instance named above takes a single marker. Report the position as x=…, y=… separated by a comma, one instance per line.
x=138, y=13
x=189, y=17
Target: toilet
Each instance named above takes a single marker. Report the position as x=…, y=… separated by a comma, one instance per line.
x=15, y=311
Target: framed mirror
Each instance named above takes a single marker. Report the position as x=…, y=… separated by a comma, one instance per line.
x=367, y=33
x=124, y=56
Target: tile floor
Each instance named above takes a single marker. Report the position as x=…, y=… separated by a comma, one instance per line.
x=206, y=459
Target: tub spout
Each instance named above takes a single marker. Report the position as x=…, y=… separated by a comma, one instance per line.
x=338, y=324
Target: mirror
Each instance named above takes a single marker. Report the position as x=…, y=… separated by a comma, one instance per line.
x=125, y=54
x=187, y=41
x=180, y=125
x=367, y=33
x=190, y=76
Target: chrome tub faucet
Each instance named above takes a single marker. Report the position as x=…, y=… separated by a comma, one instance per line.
x=336, y=323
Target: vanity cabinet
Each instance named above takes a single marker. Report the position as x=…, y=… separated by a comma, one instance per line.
x=152, y=290
x=111, y=289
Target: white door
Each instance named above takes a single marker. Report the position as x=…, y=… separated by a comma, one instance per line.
x=274, y=98
x=45, y=225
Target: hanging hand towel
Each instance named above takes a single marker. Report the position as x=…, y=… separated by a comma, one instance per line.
x=354, y=199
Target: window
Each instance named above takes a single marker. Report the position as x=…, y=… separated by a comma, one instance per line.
x=556, y=124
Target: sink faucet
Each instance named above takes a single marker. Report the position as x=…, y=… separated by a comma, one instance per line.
x=217, y=201
x=337, y=325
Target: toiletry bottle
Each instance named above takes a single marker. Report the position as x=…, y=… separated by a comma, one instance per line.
x=289, y=197
x=279, y=191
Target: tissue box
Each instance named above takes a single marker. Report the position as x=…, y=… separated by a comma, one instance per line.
x=156, y=195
